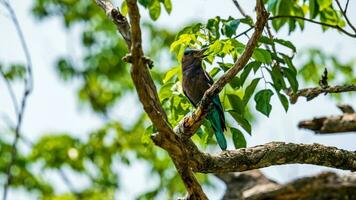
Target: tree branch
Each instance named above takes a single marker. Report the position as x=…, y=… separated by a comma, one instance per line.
x=185, y=155
x=253, y=185
x=239, y=8
x=190, y=123
x=337, y=27
x=148, y=96
x=333, y=124
x=239, y=185
x=28, y=86
x=119, y=20
x=311, y=93
x=345, y=108
x=276, y=153
x=345, y=15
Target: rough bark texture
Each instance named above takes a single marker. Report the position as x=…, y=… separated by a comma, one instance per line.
x=332, y=124
x=311, y=93
x=277, y=153
x=149, y=98
x=239, y=184
x=253, y=185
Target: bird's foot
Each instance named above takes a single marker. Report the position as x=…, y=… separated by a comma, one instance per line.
x=128, y=58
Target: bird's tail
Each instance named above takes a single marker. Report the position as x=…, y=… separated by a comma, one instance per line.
x=218, y=127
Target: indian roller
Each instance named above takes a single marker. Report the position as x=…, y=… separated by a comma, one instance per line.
x=195, y=82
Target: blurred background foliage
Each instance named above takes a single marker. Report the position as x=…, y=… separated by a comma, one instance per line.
x=104, y=79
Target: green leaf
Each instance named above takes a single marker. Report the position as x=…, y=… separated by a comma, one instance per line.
x=235, y=83
x=236, y=103
x=170, y=74
x=247, y=20
x=313, y=8
x=277, y=77
x=145, y=3
x=124, y=8
x=247, y=70
x=230, y=27
x=286, y=44
x=214, y=71
x=283, y=7
x=292, y=78
x=155, y=9
x=278, y=23
x=213, y=27
x=266, y=40
x=15, y=71
x=284, y=100
x=166, y=91
x=271, y=5
x=262, y=99
x=168, y=5
x=249, y=90
x=324, y=4
x=262, y=55
x=238, y=138
x=289, y=62
x=240, y=119
x=225, y=66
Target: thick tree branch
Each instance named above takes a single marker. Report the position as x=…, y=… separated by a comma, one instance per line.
x=148, y=96
x=253, y=185
x=321, y=187
x=190, y=123
x=239, y=185
x=311, y=93
x=276, y=153
x=332, y=124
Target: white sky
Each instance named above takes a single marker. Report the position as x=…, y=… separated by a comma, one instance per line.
x=53, y=106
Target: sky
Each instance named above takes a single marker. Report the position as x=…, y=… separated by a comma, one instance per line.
x=53, y=105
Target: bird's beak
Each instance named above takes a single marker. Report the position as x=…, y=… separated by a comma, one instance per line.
x=200, y=54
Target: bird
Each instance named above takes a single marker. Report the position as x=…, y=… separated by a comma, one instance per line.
x=195, y=81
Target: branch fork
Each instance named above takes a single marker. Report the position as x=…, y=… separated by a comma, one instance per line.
x=184, y=153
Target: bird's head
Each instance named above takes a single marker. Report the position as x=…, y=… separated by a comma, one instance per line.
x=192, y=57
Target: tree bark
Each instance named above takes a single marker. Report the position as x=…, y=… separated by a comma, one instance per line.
x=276, y=153
x=253, y=185
x=332, y=124
x=311, y=93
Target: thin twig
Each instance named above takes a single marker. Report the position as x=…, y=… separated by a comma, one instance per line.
x=28, y=82
x=346, y=6
x=244, y=33
x=337, y=27
x=239, y=8
x=68, y=183
x=344, y=14
x=11, y=92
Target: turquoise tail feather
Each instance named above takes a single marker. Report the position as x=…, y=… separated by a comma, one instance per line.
x=217, y=121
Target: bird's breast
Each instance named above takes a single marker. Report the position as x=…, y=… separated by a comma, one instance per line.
x=194, y=85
